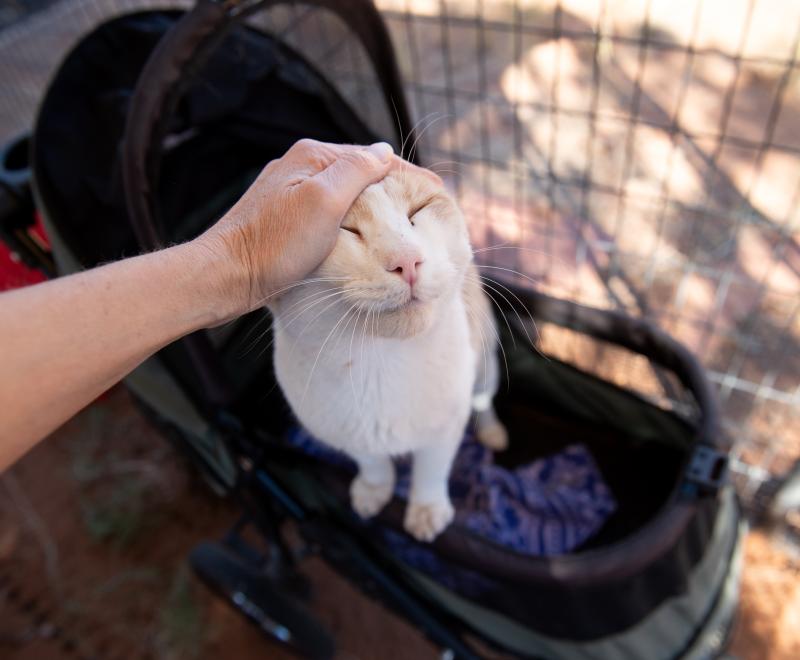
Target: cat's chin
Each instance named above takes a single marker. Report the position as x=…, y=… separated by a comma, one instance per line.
x=408, y=320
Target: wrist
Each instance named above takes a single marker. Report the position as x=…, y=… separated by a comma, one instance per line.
x=216, y=282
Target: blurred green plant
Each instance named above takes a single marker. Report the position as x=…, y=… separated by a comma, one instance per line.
x=183, y=629
x=116, y=515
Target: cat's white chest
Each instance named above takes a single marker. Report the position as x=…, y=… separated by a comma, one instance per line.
x=380, y=395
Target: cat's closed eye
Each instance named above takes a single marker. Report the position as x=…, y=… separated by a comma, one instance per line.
x=416, y=209
x=352, y=230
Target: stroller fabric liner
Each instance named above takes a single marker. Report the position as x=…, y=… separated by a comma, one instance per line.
x=547, y=507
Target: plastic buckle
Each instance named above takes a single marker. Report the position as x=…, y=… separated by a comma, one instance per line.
x=707, y=470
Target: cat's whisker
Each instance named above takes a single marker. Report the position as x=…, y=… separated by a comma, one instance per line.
x=361, y=350
x=322, y=348
x=413, y=131
x=483, y=343
x=522, y=249
x=285, y=323
x=376, y=343
x=266, y=317
x=351, y=313
x=375, y=335
x=491, y=247
x=404, y=139
x=422, y=132
x=312, y=280
x=265, y=349
x=528, y=311
x=364, y=380
x=442, y=162
x=486, y=281
x=336, y=300
x=368, y=319
x=448, y=163
x=496, y=334
x=484, y=351
x=252, y=345
x=302, y=311
x=293, y=319
x=500, y=309
x=505, y=356
x=299, y=303
x=399, y=126
x=337, y=338
x=327, y=295
x=269, y=317
x=350, y=355
x=516, y=272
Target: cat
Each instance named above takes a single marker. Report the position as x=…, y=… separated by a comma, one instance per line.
x=390, y=346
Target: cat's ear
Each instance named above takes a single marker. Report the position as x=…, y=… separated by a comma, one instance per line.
x=400, y=165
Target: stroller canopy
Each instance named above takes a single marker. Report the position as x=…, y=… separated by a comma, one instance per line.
x=251, y=100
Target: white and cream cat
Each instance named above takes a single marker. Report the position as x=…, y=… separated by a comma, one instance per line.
x=390, y=345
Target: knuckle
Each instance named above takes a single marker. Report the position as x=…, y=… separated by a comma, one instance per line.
x=361, y=159
x=305, y=145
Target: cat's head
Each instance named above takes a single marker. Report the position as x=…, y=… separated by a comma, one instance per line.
x=401, y=254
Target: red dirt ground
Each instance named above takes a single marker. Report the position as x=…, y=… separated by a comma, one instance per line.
x=95, y=526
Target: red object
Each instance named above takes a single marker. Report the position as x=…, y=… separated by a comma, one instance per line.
x=15, y=274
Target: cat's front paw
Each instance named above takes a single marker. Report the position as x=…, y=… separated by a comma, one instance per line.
x=426, y=521
x=368, y=499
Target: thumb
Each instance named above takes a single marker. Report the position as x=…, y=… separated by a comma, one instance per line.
x=355, y=169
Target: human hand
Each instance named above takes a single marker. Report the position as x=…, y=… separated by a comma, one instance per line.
x=287, y=222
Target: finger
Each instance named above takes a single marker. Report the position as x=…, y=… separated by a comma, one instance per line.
x=400, y=165
x=306, y=157
x=310, y=157
x=354, y=169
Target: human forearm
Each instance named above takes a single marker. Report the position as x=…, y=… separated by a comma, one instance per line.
x=90, y=329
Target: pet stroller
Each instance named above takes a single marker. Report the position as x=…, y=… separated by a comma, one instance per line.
x=154, y=124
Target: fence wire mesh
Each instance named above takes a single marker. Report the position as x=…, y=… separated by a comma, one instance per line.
x=633, y=154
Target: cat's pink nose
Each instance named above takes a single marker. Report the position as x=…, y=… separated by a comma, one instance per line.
x=406, y=267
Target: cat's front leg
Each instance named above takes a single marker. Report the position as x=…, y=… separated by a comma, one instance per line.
x=429, y=509
x=372, y=488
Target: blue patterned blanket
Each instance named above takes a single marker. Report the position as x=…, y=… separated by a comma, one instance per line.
x=544, y=508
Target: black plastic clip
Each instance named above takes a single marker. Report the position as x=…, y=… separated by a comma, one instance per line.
x=707, y=470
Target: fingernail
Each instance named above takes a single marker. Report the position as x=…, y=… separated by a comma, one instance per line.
x=381, y=150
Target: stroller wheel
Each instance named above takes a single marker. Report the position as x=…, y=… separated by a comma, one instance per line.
x=279, y=616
